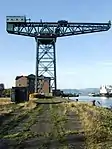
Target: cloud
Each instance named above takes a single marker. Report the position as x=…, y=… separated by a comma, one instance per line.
x=105, y=63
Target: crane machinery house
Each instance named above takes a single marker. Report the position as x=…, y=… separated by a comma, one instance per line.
x=63, y=22
x=15, y=19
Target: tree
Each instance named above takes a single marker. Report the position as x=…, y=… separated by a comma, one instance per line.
x=6, y=92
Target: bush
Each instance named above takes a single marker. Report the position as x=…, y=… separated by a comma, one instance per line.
x=6, y=93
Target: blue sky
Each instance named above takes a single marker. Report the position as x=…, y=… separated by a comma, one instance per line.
x=82, y=61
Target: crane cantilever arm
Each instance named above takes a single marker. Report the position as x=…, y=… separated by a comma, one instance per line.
x=54, y=29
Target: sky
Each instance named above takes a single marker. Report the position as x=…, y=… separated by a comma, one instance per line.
x=83, y=61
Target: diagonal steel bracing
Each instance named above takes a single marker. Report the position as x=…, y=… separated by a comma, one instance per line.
x=53, y=29
x=45, y=62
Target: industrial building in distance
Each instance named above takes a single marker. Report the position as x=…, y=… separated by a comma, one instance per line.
x=29, y=82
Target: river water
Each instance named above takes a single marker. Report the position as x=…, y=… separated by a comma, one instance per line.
x=104, y=102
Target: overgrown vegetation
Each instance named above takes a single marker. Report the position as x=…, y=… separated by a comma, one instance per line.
x=58, y=119
x=5, y=93
x=17, y=126
x=97, y=124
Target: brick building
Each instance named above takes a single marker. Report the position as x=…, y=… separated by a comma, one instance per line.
x=44, y=83
x=29, y=81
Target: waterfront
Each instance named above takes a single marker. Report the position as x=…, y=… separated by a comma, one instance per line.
x=105, y=102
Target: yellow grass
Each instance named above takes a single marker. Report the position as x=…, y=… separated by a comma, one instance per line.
x=97, y=124
x=29, y=105
x=6, y=106
x=5, y=101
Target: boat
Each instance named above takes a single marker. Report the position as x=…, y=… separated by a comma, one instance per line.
x=106, y=91
x=94, y=94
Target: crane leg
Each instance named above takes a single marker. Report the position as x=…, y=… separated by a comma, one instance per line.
x=45, y=64
x=37, y=65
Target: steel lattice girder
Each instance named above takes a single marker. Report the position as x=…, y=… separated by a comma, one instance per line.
x=53, y=29
x=45, y=62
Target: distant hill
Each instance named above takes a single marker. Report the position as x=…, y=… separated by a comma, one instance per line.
x=85, y=91
x=70, y=90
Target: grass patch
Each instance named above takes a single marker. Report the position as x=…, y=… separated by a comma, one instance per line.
x=25, y=133
x=58, y=119
x=25, y=115
x=97, y=124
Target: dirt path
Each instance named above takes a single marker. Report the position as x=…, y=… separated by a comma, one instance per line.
x=52, y=122
x=51, y=126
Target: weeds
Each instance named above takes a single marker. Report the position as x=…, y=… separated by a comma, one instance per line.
x=25, y=115
x=97, y=124
x=58, y=121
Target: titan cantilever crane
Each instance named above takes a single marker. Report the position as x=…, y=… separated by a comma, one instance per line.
x=45, y=34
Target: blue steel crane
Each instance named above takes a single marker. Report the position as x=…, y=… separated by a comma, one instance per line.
x=45, y=34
